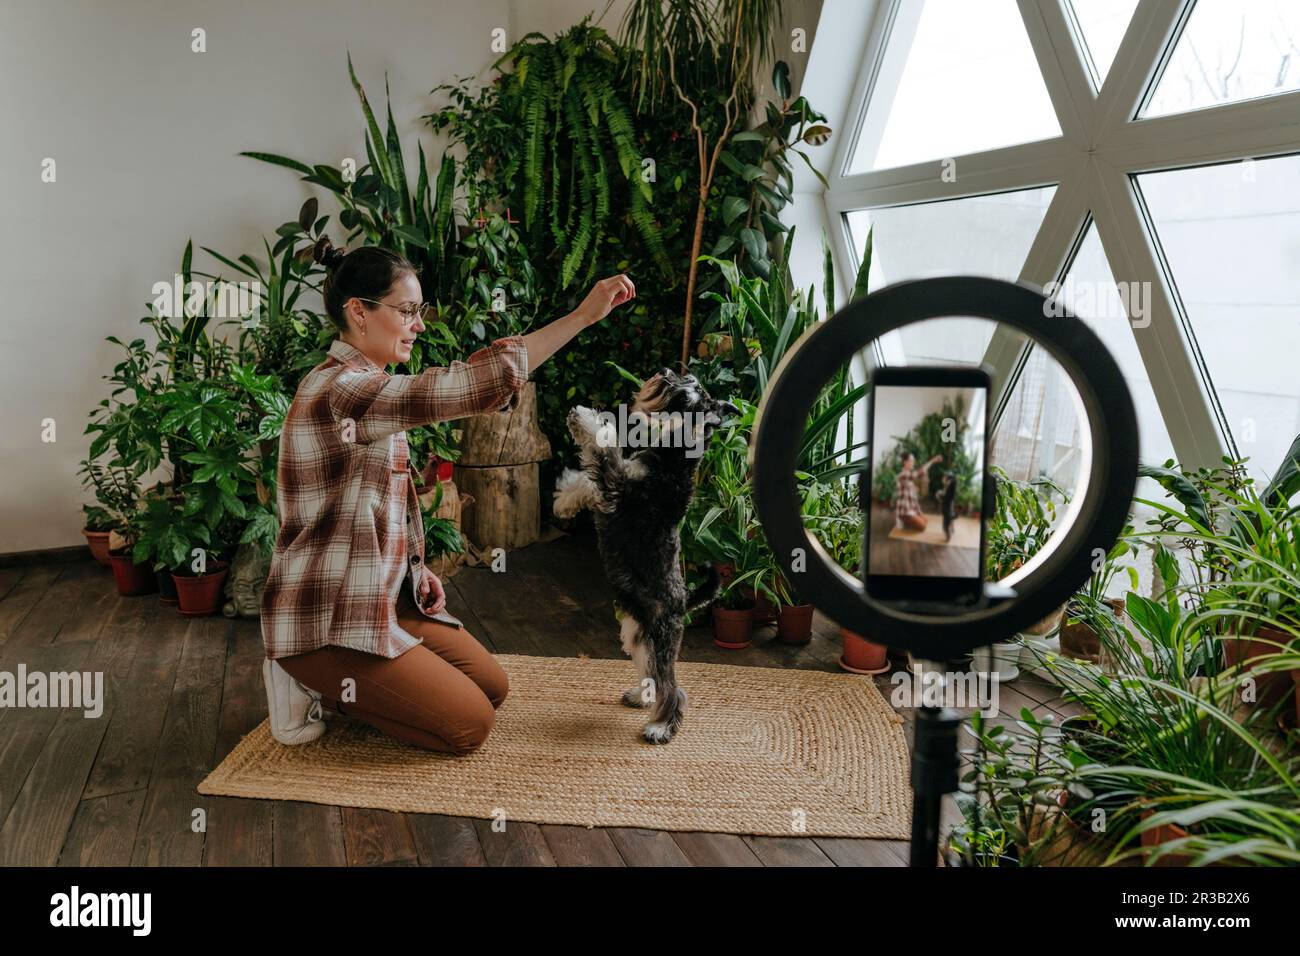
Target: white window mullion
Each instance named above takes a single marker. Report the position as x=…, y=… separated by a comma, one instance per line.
x=975, y=174
x=1255, y=128
x=1063, y=224
x=1166, y=354
x=1062, y=63
x=1141, y=57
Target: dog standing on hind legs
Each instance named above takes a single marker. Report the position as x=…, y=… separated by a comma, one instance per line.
x=638, y=500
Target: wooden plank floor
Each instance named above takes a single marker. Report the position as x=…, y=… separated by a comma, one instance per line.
x=179, y=693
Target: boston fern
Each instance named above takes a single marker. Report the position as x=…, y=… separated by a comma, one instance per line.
x=576, y=125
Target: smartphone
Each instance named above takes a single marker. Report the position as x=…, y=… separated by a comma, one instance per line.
x=927, y=494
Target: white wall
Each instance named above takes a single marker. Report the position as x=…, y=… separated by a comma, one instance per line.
x=145, y=134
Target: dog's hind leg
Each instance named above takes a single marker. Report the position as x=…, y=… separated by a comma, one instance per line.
x=663, y=639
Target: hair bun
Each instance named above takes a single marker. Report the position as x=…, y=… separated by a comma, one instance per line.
x=326, y=254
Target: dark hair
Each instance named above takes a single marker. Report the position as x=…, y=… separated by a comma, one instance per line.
x=367, y=272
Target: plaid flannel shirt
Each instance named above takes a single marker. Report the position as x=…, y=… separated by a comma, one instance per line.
x=906, y=502
x=339, y=560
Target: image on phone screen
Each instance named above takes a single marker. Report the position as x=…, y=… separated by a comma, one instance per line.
x=928, y=458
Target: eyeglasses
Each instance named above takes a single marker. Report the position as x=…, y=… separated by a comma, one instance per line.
x=409, y=312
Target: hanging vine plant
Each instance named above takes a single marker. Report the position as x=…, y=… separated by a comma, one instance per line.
x=574, y=122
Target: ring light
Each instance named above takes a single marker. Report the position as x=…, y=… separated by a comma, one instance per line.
x=1092, y=523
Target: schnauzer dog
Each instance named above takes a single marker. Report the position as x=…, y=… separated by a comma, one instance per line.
x=638, y=496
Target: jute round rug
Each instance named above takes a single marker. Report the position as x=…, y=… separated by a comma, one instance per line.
x=763, y=751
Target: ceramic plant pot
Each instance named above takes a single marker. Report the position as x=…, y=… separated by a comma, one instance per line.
x=97, y=541
x=199, y=595
x=132, y=578
x=794, y=623
x=732, y=629
x=862, y=656
x=1273, y=687
x=166, y=586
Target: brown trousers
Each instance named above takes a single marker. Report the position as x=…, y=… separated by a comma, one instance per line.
x=441, y=695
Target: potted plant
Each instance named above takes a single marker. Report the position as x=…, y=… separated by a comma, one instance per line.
x=115, y=491
x=793, y=620
x=131, y=576
x=733, y=616
x=200, y=574
x=1014, y=773
x=167, y=535
x=1022, y=522
x=97, y=528
x=840, y=531
x=1092, y=608
x=1244, y=551
x=119, y=497
x=443, y=543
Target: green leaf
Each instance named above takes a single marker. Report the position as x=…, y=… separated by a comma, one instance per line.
x=733, y=207
x=275, y=160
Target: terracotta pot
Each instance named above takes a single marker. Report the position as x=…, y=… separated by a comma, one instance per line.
x=1275, y=687
x=97, y=541
x=765, y=612
x=1166, y=833
x=200, y=594
x=732, y=628
x=1080, y=642
x=862, y=656
x=166, y=586
x=1047, y=624
x=794, y=623
x=132, y=578
x=725, y=573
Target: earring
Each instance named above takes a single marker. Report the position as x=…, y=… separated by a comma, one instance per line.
x=363, y=330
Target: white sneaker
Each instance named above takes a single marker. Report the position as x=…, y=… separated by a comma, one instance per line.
x=296, y=713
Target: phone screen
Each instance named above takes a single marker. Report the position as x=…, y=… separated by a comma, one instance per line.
x=925, y=534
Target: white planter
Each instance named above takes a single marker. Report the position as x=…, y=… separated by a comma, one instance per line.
x=1000, y=660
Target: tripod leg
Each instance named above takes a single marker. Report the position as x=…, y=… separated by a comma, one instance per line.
x=935, y=772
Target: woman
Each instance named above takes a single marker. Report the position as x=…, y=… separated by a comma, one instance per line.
x=340, y=629
x=907, y=503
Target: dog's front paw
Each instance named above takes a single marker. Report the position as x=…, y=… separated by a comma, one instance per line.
x=659, y=732
x=569, y=498
x=637, y=697
x=588, y=427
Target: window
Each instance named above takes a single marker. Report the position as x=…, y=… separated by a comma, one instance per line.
x=1231, y=50
x=1132, y=183
x=1231, y=237
x=968, y=82
x=1102, y=23
x=984, y=235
